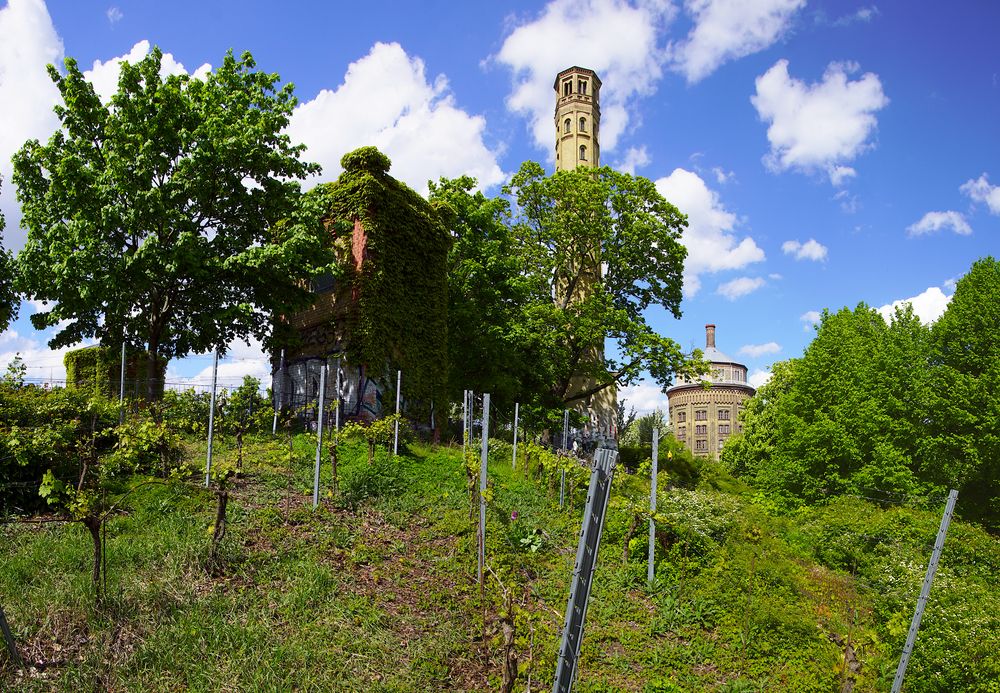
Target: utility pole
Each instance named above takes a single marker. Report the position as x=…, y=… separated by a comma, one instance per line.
x=513, y=461
x=562, y=474
x=652, y=506
x=321, y=405
x=395, y=440
x=121, y=391
x=911, y=637
x=601, y=475
x=483, y=458
x=211, y=418
x=279, y=391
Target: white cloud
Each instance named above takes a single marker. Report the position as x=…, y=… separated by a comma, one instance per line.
x=728, y=29
x=635, y=157
x=818, y=127
x=712, y=246
x=935, y=221
x=758, y=350
x=619, y=40
x=980, y=190
x=104, y=74
x=849, y=203
x=44, y=365
x=28, y=94
x=759, y=378
x=28, y=42
x=241, y=360
x=644, y=396
x=810, y=318
x=722, y=176
x=741, y=286
x=864, y=14
x=810, y=250
x=386, y=100
x=839, y=174
x=928, y=305
x=114, y=15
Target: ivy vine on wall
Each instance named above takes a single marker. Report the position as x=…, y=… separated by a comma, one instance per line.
x=401, y=319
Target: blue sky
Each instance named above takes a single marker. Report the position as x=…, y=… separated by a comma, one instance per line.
x=826, y=153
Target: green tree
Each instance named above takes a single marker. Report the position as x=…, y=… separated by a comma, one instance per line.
x=540, y=279
x=8, y=296
x=600, y=247
x=845, y=417
x=171, y=217
x=963, y=449
x=640, y=430
x=486, y=294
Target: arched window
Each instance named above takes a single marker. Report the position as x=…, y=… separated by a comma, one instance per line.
x=583, y=152
x=566, y=125
x=583, y=125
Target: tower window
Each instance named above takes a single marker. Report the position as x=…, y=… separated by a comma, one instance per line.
x=566, y=125
x=583, y=125
x=583, y=152
x=581, y=86
x=567, y=87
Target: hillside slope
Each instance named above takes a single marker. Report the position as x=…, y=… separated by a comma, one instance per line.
x=376, y=590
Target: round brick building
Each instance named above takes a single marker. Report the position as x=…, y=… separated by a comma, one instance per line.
x=704, y=413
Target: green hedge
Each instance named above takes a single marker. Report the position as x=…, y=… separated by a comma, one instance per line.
x=97, y=370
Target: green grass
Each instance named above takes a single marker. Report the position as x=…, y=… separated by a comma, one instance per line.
x=376, y=590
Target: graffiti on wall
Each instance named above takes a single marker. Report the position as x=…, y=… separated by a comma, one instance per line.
x=361, y=396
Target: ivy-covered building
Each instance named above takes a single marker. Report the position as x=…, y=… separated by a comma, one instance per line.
x=382, y=307
x=98, y=369
x=704, y=413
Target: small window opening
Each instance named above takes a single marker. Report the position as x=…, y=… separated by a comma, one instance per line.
x=583, y=152
x=583, y=125
x=566, y=125
x=567, y=88
x=582, y=86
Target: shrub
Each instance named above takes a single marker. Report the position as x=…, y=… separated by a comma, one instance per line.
x=382, y=478
x=42, y=430
x=677, y=460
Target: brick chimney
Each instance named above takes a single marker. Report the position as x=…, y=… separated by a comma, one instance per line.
x=709, y=336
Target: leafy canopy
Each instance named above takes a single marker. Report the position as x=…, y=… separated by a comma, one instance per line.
x=538, y=280
x=886, y=410
x=8, y=297
x=170, y=217
x=964, y=409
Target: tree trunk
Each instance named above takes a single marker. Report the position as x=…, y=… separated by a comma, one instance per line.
x=154, y=345
x=93, y=525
